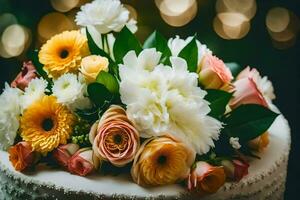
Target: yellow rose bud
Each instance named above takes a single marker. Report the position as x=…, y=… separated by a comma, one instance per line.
x=260, y=142
x=92, y=65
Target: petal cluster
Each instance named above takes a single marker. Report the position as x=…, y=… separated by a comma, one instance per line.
x=162, y=98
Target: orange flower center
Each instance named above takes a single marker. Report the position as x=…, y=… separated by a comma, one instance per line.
x=162, y=159
x=64, y=53
x=47, y=124
x=118, y=139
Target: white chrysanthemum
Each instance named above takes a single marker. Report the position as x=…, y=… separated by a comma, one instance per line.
x=105, y=16
x=234, y=142
x=34, y=91
x=10, y=111
x=177, y=44
x=70, y=90
x=163, y=99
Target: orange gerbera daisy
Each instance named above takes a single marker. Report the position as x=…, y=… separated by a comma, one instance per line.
x=46, y=124
x=63, y=53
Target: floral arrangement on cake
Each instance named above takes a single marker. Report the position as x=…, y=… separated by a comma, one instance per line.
x=95, y=100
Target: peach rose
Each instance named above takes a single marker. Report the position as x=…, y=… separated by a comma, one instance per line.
x=83, y=162
x=114, y=138
x=214, y=74
x=63, y=153
x=161, y=161
x=246, y=92
x=260, y=142
x=25, y=76
x=205, y=178
x=235, y=169
x=22, y=156
x=92, y=65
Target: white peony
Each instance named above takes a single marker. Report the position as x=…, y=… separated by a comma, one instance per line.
x=70, y=90
x=177, y=44
x=10, y=111
x=34, y=91
x=105, y=15
x=164, y=99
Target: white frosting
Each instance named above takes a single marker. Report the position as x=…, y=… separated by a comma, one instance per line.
x=266, y=179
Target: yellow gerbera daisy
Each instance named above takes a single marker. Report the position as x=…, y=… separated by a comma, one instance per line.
x=63, y=53
x=46, y=124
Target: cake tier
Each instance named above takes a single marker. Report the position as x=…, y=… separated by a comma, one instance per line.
x=266, y=179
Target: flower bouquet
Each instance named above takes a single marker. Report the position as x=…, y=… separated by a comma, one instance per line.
x=95, y=100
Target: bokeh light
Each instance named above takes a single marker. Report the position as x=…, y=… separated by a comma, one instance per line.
x=177, y=12
x=52, y=24
x=15, y=40
x=233, y=18
x=283, y=27
x=64, y=5
x=132, y=12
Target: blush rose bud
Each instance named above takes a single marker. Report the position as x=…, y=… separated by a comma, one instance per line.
x=25, y=76
x=214, y=74
x=235, y=169
x=63, y=153
x=205, y=178
x=115, y=139
x=22, y=156
x=92, y=65
x=83, y=162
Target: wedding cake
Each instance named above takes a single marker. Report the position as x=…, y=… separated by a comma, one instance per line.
x=96, y=115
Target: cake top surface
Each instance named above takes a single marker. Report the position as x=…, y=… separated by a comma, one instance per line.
x=122, y=185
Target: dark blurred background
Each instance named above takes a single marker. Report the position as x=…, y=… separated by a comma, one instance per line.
x=261, y=34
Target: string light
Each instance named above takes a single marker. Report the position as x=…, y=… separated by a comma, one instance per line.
x=177, y=12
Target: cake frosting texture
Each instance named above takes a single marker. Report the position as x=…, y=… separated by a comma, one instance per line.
x=266, y=179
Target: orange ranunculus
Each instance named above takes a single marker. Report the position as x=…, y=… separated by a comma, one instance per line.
x=260, y=142
x=162, y=161
x=22, y=156
x=205, y=178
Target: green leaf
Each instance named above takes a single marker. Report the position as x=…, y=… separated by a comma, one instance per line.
x=94, y=48
x=190, y=54
x=99, y=94
x=218, y=101
x=234, y=68
x=249, y=121
x=109, y=81
x=156, y=40
x=39, y=66
x=125, y=41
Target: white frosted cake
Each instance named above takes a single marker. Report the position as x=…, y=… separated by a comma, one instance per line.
x=266, y=179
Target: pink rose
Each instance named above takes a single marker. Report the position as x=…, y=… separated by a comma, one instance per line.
x=83, y=162
x=247, y=92
x=25, y=76
x=63, y=153
x=235, y=169
x=22, y=156
x=214, y=74
x=205, y=178
x=115, y=139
